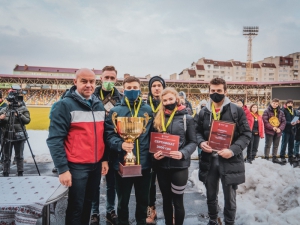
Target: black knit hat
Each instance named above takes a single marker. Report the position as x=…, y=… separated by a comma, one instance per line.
x=289, y=101
x=156, y=78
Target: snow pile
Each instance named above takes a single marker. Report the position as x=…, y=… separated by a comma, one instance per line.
x=270, y=195
x=37, y=141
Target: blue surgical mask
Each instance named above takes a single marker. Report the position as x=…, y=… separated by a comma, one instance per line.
x=132, y=95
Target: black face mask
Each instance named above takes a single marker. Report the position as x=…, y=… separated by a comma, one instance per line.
x=217, y=97
x=290, y=107
x=202, y=106
x=171, y=106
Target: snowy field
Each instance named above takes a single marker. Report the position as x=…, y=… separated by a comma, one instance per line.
x=270, y=195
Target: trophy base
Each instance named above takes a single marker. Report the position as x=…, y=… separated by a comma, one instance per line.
x=130, y=171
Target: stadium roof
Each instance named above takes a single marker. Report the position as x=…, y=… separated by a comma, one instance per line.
x=17, y=76
x=49, y=69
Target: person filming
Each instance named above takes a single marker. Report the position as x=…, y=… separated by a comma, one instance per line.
x=15, y=115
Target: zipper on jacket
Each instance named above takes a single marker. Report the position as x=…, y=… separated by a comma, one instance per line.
x=96, y=140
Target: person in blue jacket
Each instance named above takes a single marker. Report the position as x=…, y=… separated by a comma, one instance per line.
x=131, y=105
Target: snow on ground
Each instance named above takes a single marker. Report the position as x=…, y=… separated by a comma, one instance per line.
x=37, y=141
x=270, y=195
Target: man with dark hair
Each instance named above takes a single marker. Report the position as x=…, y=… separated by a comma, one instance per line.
x=226, y=164
x=288, y=132
x=109, y=96
x=274, y=123
x=131, y=105
x=156, y=85
x=76, y=145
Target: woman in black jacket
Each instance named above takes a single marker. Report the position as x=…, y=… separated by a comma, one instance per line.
x=172, y=171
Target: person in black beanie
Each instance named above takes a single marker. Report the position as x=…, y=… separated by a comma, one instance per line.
x=156, y=85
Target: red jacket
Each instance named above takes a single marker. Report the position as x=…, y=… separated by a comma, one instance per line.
x=260, y=124
x=248, y=114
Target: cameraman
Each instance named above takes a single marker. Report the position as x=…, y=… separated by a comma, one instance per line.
x=2, y=105
x=18, y=138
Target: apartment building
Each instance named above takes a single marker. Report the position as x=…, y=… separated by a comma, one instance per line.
x=270, y=69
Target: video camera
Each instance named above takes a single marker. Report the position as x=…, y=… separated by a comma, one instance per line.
x=15, y=96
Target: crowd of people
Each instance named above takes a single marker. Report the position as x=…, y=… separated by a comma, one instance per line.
x=85, y=145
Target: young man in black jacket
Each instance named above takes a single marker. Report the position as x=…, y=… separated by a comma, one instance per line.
x=109, y=96
x=226, y=164
x=156, y=85
x=289, y=131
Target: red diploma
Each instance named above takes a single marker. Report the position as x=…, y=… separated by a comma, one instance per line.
x=163, y=142
x=221, y=135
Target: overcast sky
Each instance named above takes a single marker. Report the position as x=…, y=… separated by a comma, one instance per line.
x=142, y=37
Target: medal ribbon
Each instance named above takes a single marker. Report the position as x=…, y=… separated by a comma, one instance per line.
x=254, y=115
x=216, y=116
x=163, y=126
x=136, y=111
x=2, y=103
x=275, y=112
x=291, y=111
x=101, y=94
x=152, y=106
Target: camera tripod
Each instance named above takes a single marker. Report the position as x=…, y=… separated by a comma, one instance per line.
x=8, y=135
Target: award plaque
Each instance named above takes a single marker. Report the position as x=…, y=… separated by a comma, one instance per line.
x=221, y=135
x=163, y=142
x=130, y=128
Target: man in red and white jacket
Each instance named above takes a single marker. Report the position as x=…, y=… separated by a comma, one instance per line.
x=76, y=145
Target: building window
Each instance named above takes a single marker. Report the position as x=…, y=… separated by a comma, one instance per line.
x=296, y=61
x=256, y=79
x=271, y=78
x=215, y=71
x=237, y=73
x=216, y=67
x=271, y=74
x=222, y=72
x=237, y=67
x=208, y=66
x=208, y=71
x=295, y=66
x=215, y=76
x=192, y=76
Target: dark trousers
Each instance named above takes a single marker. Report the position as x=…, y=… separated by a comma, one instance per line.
x=141, y=187
x=296, y=148
x=110, y=193
x=253, y=147
x=19, y=150
x=212, y=190
x=85, y=181
x=172, y=183
x=152, y=193
x=271, y=139
x=287, y=139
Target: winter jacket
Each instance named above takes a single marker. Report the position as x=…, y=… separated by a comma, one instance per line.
x=187, y=141
x=297, y=128
x=247, y=113
x=2, y=105
x=260, y=125
x=232, y=170
x=76, y=131
x=24, y=115
x=288, y=117
x=116, y=95
x=114, y=141
x=268, y=113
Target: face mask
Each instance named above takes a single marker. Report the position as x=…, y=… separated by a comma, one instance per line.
x=217, y=97
x=202, y=106
x=132, y=95
x=171, y=106
x=290, y=107
x=108, y=85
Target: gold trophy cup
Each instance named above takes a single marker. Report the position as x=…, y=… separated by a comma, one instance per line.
x=130, y=128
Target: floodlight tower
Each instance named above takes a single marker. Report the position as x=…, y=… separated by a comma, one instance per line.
x=250, y=33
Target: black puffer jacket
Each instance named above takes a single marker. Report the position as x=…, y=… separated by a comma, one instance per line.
x=288, y=117
x=297, y=129
x=232, y=169
x=24, y=116
x=187, y=142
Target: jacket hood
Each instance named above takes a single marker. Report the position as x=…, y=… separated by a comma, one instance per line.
x=225, y=102
x=202, y=102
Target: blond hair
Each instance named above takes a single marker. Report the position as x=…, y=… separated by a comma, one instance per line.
x=161, y=111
